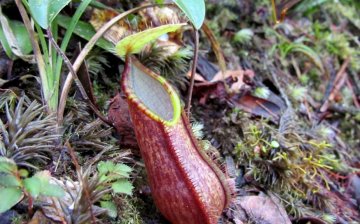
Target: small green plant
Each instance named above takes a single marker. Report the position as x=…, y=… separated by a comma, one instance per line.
x=28, y=136
x=93, y=189
x=287, y=48
x=298, y=93
x=340, y=44
x=114, y=174
x=349, y=10
x=304, y=79
x=243, y=36
x=262, y=92
x=49, y=62
x=15, y=185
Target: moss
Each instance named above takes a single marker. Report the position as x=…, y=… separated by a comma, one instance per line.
x=130, y=213
x=296, y=169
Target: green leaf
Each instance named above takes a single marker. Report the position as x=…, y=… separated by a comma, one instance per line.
x=108, y=171
x=7, y=165
x=103, y=178
x=14, y=37
x=110, y=207
x=122, y=186
x=86, y=31
x=275, y=144
x=33, y=186
x=194, y=10
x=105, y=167
x=47, y=188
x=52, y=190
x=9, y=180
x=45, y=11
x=159, y=2
x=44, y=176
x=263, y=148
x=22, y=36
x=40, y=184
x=106, y=197
x=9, y=197
x=122, y=170
x=135, y=43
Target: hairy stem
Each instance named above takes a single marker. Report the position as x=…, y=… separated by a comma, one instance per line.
x=193, y=71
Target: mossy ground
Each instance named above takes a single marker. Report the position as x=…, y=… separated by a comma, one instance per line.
x=305, y=157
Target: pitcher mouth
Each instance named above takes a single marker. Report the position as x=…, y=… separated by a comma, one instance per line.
x=151, y=93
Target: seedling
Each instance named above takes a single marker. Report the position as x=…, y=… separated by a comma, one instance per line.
x=15, y=185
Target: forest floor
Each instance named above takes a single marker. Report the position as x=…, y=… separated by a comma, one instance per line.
x=283, y=121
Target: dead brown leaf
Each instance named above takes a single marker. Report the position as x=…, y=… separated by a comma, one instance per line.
x=237, y=75
x=261, y=209
x=256, y=106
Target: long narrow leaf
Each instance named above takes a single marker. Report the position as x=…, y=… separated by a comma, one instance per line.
x=86, y=31
x=309, y=52
x=70, y=30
